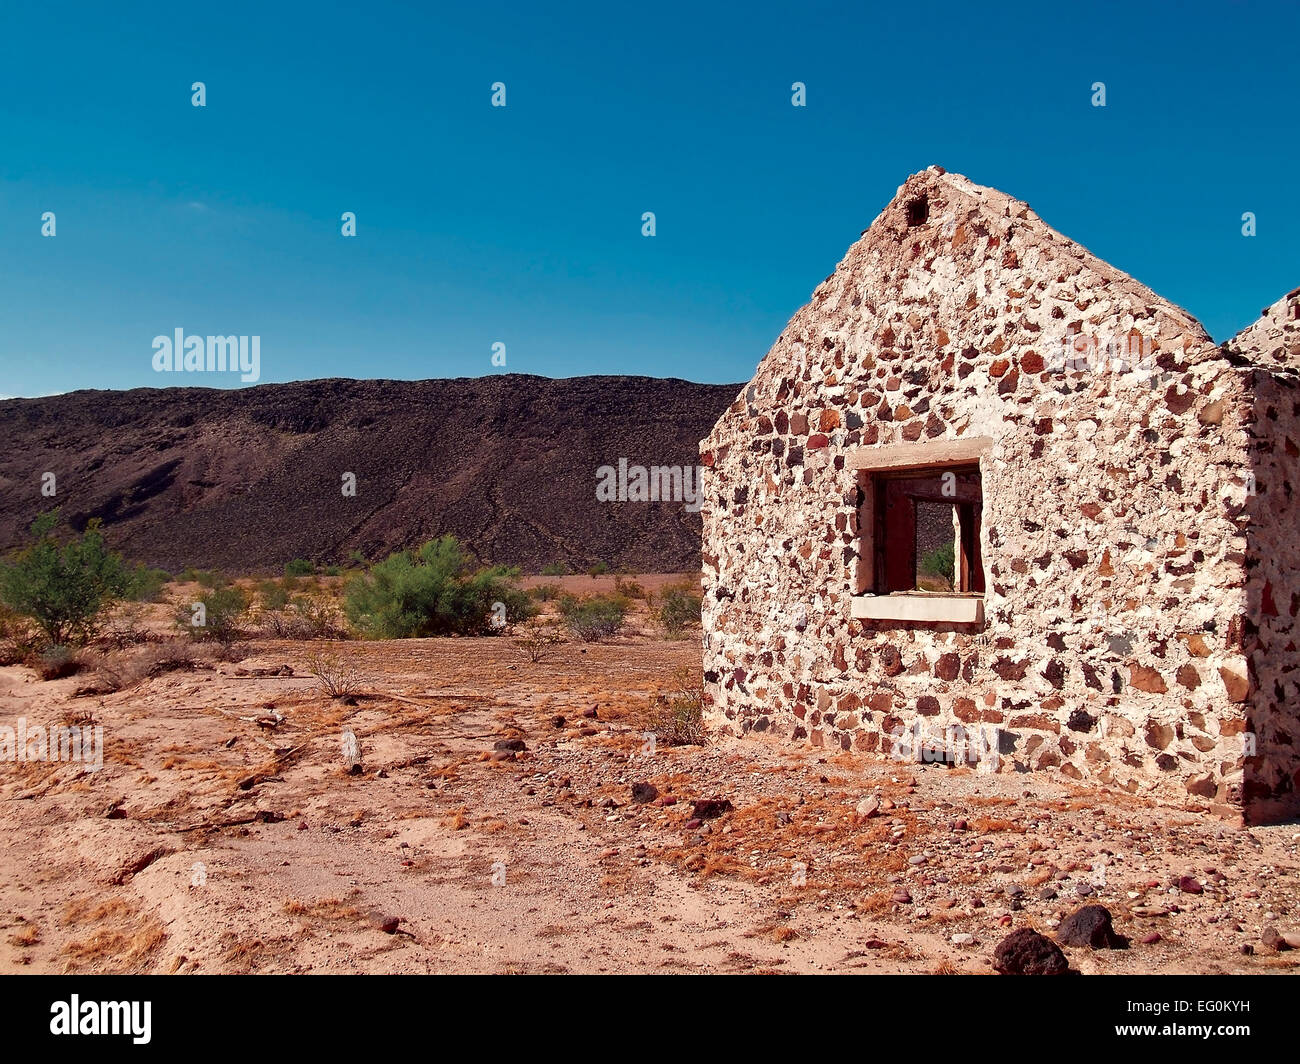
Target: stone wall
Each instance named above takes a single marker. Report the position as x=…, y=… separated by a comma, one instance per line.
x=1272, y=773
x=1114, y=532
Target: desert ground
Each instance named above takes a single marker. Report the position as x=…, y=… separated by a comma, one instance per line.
x=225, y=832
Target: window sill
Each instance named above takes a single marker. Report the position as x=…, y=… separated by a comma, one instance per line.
x=919, y=607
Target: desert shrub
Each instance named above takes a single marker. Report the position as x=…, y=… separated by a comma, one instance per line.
x=935, y=570
x=188, y=575
x=597, y=569
x=16, y=629
x=126, y=626
x=537, y=636
x=305, y=617
x=213, y=579
x=595, y=617
x=117, y=672
x=109, y=676
x=678, y=607
x=56, y=661
x=165, y=657
x=433, y=591
x=333, y=570
x=555, y=569
x=628, y=588
x=299, y=567
x=161, y=658
x=17, y=636
x=222, y=616
x=338, y=678
x=274, y=594
x=677, y=718
x=64, y=588
x=545, y=592
x=147, y=584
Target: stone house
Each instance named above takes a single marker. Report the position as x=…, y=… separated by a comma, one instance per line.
x=989, y=500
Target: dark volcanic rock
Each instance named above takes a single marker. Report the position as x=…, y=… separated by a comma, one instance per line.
x=1026, y=952
x=1090, y=927
x=709, y=808
x=248, y=479
x=644, y=792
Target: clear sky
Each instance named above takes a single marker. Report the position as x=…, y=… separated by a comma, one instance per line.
x=522, y=225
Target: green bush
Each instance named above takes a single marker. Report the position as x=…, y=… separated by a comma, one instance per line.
x=333, y=570
x=222, y=615
x=299, y=567
x=274, y=594
x=555, y=569
x=147, y=584
x=679, y=607
x=628, y=588
x=213, y=579
x=595, y=617
x=599, y=569
x=937, y=568
x=545, y=592
x=433, y=591
x=64, y=588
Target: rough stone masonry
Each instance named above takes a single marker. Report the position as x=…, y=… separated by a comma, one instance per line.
x=1127, y=616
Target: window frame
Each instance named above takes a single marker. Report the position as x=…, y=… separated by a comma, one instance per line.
x=969, y=507
x=876, y=466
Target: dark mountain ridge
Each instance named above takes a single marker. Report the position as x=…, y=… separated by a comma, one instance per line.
x=245, y=480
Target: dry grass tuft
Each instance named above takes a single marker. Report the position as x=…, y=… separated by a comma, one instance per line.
x=125, y=946
x=985, y=825
x=88, y=911
x=331, y=909
x=27, y=936
x=873, y=903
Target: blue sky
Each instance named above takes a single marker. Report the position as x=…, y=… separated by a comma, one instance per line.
x=523, y=224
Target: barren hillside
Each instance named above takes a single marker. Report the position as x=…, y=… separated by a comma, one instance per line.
x=250, y=479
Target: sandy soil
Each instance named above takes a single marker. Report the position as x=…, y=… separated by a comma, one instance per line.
x=224, y=834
